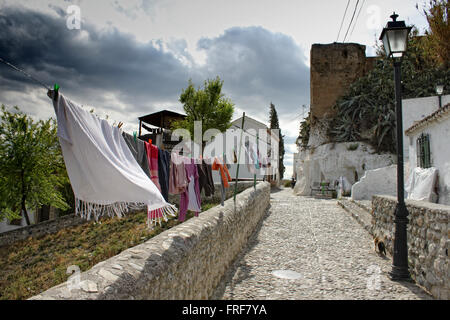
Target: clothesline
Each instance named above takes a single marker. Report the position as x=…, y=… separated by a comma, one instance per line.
x=24, y=72
x=110, y=175
x=250, y=134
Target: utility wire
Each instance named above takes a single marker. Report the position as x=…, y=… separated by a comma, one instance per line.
x=250, y=134
x=25, y=73
x=357, y=17
x=343, y=18
x=353, y=16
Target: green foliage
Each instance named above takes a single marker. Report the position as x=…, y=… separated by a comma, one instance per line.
x=208, y=105
x=274, y=124
x=438, y=35
x=31, y=164
x=366, y=112
x=305, y=127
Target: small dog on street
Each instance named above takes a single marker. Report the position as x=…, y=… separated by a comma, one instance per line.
x=379, y=244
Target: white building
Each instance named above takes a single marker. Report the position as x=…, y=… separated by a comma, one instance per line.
x=429, y=146
x=416, y=109
x=258, y=134
x=384, y=180
x=5, y=225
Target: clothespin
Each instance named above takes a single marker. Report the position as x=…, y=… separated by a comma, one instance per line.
x=53, y=94
x=56, y=90
x=135, y=135
x=150, y=141
x=120, y=124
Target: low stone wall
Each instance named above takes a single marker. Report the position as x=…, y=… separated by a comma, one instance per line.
x=40, y=229
x=53, y=226
x=185, y=262
x=428, y=240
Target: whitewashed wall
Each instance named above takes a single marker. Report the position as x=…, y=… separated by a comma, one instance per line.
x=330, y=161
x=439, y=132
x=5, y=226
x=415, y=110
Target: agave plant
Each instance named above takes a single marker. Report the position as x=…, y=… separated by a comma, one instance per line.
x=368, y=106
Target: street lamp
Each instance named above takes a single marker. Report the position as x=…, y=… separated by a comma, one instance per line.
x=440, y=91
x=395, y=40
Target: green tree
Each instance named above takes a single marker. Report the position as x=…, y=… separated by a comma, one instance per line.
x=366, y=112
x=207, y=104
x=303, y=137
x=274, y=124
x=438, y=33
x=32, y=169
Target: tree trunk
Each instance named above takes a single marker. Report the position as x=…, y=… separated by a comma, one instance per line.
x=25, y=212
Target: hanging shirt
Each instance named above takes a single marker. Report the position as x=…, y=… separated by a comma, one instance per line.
x=223, y=169
x=137, y=148
x=152, y=156
x=164, y=172
x=190, y=198
x=105, y=177
x=205, y=178
x=178, y=180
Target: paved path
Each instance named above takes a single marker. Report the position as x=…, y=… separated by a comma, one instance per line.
x=331, y=253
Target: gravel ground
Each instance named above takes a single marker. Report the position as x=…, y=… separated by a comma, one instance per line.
x=331, y=254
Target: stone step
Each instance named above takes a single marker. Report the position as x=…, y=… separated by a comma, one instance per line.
x=363, y=204
x=359, y=212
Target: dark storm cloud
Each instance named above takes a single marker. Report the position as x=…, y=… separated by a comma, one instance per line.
x=87, y=60
x=255, y=64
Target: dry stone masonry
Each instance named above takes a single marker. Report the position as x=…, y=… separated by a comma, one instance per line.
x=53, y=226
x=185, y=262
x=428, y=240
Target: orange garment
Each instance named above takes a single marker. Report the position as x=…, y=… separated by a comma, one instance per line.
x=223, y=169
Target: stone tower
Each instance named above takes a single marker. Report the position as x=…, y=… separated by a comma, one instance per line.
x=334, y=67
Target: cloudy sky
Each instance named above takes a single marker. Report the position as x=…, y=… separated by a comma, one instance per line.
x=133, y=57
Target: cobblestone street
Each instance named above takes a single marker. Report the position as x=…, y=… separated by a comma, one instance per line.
x=331, y=254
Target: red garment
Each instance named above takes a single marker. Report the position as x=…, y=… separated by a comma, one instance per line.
x=223, y=171
x=152, y=156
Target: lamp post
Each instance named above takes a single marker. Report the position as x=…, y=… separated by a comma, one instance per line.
x=395, y=39
x=440, y=91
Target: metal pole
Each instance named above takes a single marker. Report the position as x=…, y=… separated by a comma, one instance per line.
x=440, y=101
x=257, y=150
x=239, y=158
x=400, y=259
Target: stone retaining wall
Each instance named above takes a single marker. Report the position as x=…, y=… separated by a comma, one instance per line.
x=185, y=262
x=40, y=229
x=53, y=226
x=428, y=240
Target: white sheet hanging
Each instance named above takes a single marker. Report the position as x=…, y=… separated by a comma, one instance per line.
x=105, y=177
x=421, y=183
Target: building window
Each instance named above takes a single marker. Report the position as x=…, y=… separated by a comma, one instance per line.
x=423, y=151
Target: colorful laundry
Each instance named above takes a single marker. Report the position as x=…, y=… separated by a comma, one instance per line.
x=223, y=170
x=137, y=148
x=163, y=172
x=190, y=199
x=152, y=156
x=178, y=180
x=205, y=178
x=105, y=176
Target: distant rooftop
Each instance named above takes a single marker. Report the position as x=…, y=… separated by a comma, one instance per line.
x=438, y=114
x=162, y=119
